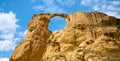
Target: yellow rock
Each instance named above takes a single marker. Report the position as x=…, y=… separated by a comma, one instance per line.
x=88, y=36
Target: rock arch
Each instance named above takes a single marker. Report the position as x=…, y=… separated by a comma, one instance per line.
x=65, y=16
x=57, y=23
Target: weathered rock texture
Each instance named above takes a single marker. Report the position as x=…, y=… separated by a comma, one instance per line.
x=88, y=36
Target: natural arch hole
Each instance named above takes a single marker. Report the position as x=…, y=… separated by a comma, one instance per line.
x=57, y=23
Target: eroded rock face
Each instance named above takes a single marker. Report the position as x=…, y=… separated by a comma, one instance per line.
x=88, y=36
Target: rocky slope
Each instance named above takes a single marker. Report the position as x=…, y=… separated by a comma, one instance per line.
x=88, y=36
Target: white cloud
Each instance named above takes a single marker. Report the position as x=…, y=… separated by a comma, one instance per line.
x=6, y=45
x=17, y=39
x=4, y=59
x=48, y=8
x=25, y=32
x=8, y=22
x=105, y=6
x=86, y=2
x=7, y=36
x=53, y=6
x=110, y=9
x=115, y=2
x=38, y=8
x=8, y=28
x=22, y=34
x=54, y=9
x=63, y=6
x=66, y=3
x=50, y=2
x=96, y=8
x=113, y=13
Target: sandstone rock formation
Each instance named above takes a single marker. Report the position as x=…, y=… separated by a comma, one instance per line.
x=88, y=36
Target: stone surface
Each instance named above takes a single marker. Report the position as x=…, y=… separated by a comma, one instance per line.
x=88, y=36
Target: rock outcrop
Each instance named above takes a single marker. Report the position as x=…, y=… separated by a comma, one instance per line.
x=88, y=36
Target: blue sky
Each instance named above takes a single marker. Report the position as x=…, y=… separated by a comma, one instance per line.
x=15, y=15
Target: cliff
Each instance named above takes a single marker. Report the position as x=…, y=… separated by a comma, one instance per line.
x=88, y=36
